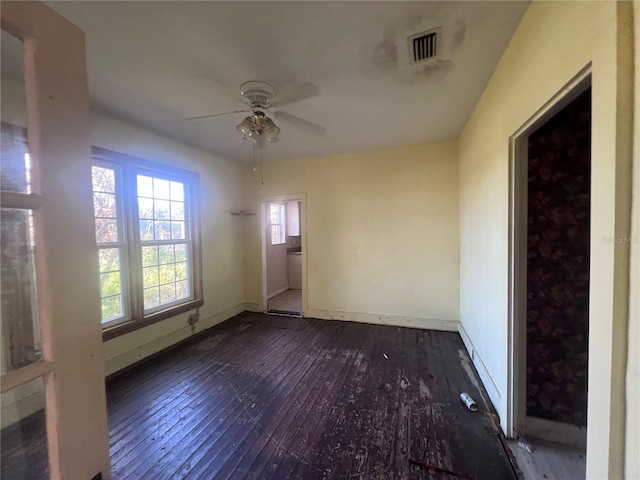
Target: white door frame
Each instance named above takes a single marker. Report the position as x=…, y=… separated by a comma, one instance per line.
x=262, y=224
x=517, y=308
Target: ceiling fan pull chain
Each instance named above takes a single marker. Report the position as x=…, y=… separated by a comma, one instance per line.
x=261, y=169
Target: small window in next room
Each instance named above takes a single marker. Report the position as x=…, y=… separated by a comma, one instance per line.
x=277, y=219
x=147, y=234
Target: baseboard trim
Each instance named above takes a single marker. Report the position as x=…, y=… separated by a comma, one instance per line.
x=393, y=320
x=278, y=292
x=486, y=378
x=252, y=307
x=557, y=432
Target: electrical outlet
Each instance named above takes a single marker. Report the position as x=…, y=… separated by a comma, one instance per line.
x=193, y=319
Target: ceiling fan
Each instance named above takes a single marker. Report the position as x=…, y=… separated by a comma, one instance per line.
x=260, y=97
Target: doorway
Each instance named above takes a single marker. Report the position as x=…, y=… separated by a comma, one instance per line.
x=550, y=276
x=283, y=255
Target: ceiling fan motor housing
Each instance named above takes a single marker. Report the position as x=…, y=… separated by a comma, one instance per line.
x=257, y=93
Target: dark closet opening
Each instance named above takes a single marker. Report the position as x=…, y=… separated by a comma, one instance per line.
x=558, y=222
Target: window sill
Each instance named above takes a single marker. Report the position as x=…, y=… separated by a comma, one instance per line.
x=110, y=333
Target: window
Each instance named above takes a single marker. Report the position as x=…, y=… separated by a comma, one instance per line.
x=147, y=234
x=18, y=293
x=277, y=223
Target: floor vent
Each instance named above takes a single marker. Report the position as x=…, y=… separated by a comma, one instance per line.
x=423, y=46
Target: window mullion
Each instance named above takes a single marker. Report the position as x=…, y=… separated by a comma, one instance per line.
x=132, y=233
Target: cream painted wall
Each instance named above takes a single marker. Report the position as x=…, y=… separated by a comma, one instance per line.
x=553, y=42
x=381, y=240
x=632, y=430
x=222, y=242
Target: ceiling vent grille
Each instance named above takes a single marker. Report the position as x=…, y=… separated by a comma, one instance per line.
x=423, y=46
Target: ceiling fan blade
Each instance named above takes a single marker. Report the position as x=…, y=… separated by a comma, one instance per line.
x=306, y=125
x=201, y=117
x=293, y=94
x=210, y=83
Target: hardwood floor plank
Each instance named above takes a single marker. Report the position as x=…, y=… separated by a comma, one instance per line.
x=274, y=398
x=268, y=391
x=221, y=384
x=295, y=450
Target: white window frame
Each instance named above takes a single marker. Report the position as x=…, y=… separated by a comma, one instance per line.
x=127, y=169
x=281, y=223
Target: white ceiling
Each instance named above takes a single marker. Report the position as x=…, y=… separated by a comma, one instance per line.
x=155, y=63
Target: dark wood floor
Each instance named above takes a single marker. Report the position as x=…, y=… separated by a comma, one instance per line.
x=267, y=397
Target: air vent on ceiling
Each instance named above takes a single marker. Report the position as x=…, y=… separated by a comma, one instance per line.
x=423, y=46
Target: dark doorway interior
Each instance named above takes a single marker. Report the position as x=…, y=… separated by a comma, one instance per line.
x=559, y=178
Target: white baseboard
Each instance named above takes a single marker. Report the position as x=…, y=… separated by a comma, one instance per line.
x=393, y=320
x=278, y=292
x=156, y=345
x=557, y=432
x=252, y=307
x=486, y=378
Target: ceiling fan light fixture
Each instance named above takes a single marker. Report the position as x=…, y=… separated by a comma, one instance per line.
x=245, y=128
x=270, y=130
x=257, y=128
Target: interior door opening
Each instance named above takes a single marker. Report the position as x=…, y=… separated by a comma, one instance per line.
x=282, y=243
x=550, y=287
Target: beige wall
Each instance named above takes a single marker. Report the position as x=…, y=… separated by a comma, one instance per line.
x=381, y=239
x=222, y=243
x=554, y=41
x=632, y=430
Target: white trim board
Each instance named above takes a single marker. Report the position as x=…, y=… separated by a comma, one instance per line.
x=380, y=319
x=487, y=380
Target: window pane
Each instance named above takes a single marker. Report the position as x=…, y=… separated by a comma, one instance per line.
x=15, y=163
x=181, y=290
x=181, y=271
x=104, y=205
x=177, y=191
x=161, y=189
x=147, y=230
x=167, y=273
x=163, y=230
x=106, y=230
x=275, y=213
x=178, y=231
x=177, y=211
x=166, y=254
x=24, y=432
x=103, y=179
x=19, y=312
x=145, y=186
x=145, y=208
x=167, y=293
x=110, y=284
x=181, y=253
x=161, y=209
x=151, y=297
x=149, y=256
x=112, y=308
x=109, y=259
x=150, y=277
